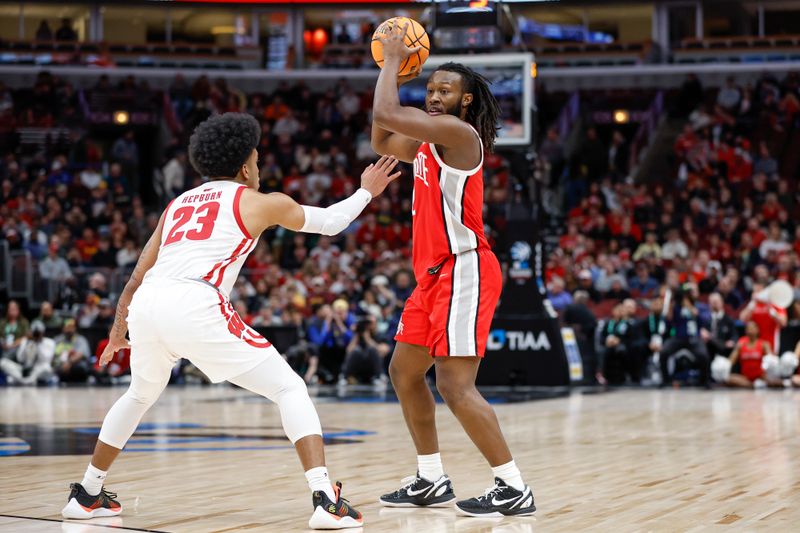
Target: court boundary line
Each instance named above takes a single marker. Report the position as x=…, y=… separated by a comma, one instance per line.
x=82, y=522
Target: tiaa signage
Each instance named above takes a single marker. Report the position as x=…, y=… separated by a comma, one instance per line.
x=516, y=341
x=524, y=351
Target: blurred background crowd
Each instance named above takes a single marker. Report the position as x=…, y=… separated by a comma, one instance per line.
x=708, y=231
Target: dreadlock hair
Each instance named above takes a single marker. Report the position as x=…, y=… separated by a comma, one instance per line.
x=484, y=111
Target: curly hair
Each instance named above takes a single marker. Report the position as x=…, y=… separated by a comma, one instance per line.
x=220, y=145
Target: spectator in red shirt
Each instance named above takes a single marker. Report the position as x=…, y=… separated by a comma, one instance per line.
x=369, y=232
x=719, y=250
x=685, y=141
x=277, y=109
x=771, y=208
x=754, y=231
x=119, y=366
x=397, y=235
x=339, y=182
x=568, y=241
x=769, y=318
x=87, y=245
x=293, y=182
x=796, y=245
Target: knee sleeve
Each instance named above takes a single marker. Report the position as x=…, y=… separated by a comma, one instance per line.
x=274, y=379
x=124, y=416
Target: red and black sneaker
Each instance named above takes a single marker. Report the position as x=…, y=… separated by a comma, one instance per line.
x=81, y=505
x=330, y=515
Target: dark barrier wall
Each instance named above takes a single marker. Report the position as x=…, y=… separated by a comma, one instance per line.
x=789, y=337
x=525, y=346
x=524, y=351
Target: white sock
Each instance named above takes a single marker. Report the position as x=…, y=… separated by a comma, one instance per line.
x=430, y=466
x=318, y=480
x=510, y=474
x=93, y=480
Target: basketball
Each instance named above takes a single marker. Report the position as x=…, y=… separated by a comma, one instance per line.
x=415, y=36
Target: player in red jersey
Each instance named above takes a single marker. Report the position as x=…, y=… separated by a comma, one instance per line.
x=447, y=318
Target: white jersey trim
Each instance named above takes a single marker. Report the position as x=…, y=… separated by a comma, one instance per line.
x=445, y=166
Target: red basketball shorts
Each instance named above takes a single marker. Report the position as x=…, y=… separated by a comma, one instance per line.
x=452, y=313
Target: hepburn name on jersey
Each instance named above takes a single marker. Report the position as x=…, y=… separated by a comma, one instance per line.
x=216, y=195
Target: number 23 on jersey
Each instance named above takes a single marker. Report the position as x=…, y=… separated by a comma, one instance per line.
x=202, y=218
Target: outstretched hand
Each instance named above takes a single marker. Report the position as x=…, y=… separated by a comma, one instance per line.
x=394, y=46
x=378, y=175
x=114, y=345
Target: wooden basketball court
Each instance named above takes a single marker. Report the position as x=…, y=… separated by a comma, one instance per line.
x=214, y=459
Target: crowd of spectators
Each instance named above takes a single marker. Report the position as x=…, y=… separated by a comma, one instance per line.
x=723, y=225
x=714, y=233
x=76, y=206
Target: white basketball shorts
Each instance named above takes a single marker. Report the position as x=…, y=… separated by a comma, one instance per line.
x=170, y=319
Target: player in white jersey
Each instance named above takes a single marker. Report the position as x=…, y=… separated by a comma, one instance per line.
x=176, y=305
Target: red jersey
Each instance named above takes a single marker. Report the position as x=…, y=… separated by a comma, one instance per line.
x=447, y=211
x=750, y=357
x=769, y=330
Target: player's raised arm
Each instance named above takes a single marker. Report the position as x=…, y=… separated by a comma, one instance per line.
x=261, y=211
x=386, y=142
x=437, y=125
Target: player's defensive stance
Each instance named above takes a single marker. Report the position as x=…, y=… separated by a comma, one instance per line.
x=447, y=318
x=176, y=305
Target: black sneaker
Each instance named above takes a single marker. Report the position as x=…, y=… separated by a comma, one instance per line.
x=330, y=515
x=81, y=505
x=419, y=492
x=500, y=500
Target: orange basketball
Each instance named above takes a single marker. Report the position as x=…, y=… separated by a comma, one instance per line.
x=415, y=36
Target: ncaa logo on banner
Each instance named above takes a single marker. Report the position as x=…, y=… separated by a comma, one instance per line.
x=520, y=261
x=517, y=341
